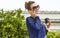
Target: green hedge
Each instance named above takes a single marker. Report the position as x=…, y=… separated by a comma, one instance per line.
x=12, y=25
x=53, y=34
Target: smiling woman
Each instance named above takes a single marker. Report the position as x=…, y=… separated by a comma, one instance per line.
x=36, y=28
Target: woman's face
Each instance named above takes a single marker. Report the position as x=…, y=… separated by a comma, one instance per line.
x=34, y=9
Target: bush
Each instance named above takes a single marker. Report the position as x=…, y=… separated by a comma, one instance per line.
x=53, y=34
x=12, y=24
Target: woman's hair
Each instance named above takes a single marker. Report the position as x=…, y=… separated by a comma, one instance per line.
x=28, y=4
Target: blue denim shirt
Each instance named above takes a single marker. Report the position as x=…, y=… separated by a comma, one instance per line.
x=35, y=28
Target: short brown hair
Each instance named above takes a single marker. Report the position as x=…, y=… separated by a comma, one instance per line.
x=27, y=5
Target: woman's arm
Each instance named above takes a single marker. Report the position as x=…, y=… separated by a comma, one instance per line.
x=48, y=25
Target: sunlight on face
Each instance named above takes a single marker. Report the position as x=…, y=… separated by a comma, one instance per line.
x=35, y=7
x=34, y=10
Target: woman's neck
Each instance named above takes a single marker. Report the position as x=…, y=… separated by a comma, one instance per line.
x=33, y=16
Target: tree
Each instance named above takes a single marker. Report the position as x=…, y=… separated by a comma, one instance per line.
x=12, y=24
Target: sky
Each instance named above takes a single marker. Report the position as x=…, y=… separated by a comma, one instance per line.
x=46, y=5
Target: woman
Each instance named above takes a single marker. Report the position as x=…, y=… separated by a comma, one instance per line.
x=35, y=28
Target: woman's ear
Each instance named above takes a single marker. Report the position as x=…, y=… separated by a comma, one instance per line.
x=29, y=11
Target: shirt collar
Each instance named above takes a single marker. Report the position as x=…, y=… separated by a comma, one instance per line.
x=35, y=17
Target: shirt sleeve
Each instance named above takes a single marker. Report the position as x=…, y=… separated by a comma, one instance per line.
x=33, y=24
x=46, y=31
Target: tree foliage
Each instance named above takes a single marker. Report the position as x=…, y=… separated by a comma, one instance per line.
x=12, y=24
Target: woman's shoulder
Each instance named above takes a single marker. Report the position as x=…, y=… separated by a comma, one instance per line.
x=31, y=18
x=28, y=18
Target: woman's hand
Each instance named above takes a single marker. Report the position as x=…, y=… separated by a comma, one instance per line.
x=48, y=24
